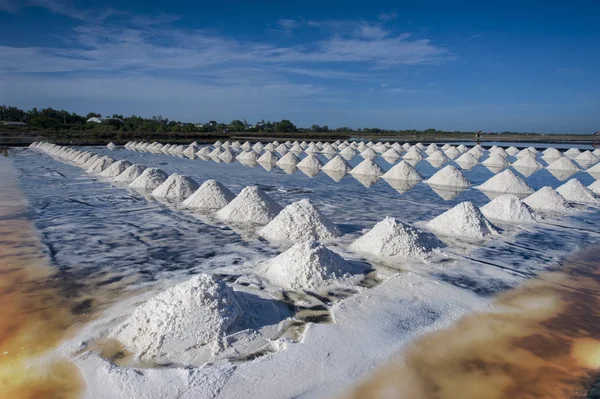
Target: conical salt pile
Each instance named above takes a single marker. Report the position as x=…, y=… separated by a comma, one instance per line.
x=449, y=177
x=115, y=169
x=546, y=199
x=348, y=153
x=594, y=170
x=498, y=151
x=496, y=160
x=438, y=156
x=299, y=221
x=446, y=146
x=296, y=149
x=337, y=164
x=216, y=152
x=204, y=152
x=176, y=187
x=312, y=149
x=100, y=165
x=506, y=182
x=217, y=143
x=527, y=161
x=572, y=153
x=413, y=154
x=431, y=148
x=90, y=161
x=563, y=163
x=131, y=173
x=227, y=156
x=526, y=152
x=211, y=196
x=310, y=162
x=574, y=191
x=466, y=160
x=289, y=159
x=258, y=147
x=512, y=151
x=465, y=220
x=509, y=208
x=268, y=158
x=475, y=152
x=452, y=152
x=402, y=171
x=251, y=206
x=306, y=265
x=194, y=315
x=367, y=168
x=83, y=158
x=190, y=151
x=248, y=157
x=111, y=146
x=269, y=147
x=149, y=179
x=391, y=153
x=392, y=238
x=246, y=146
x=369, y=153
x=587, y=157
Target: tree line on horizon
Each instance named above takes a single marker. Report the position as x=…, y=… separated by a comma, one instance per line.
x=60, y=120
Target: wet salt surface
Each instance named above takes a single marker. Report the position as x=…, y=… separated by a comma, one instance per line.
x=95, y=231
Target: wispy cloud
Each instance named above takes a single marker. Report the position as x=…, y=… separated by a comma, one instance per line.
x=386, y=17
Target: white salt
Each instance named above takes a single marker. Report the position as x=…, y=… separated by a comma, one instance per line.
x=512, y=151
x=452, y=152
x=306, y=265
x=587, y=157
x=402, y=171
x=498, y=151
x=391, y=153
x=413, y=154
x=258, y=147
x=310, y=162
x=465, y=220
x=336, y=164
x=100, y=165
x=251, y=206
x=131, y=173
x=115, y=169
x=281, y=149
x=527, y=161
x=149, y=179
x=194, y=314
x=176, y=187
x=574, y=191
x=268, y=158
x=348, y=153
x=506, y=182
x=496, y=160
x=572, y=152
x=546, y=199
x=431, y=148
x=211, y=196
x=475, y=152
x=227, y=156
x=367, y=168
x=564, y=164
x=369, y=153
x=438, y=156
x=450, y=177
x=299, y=221
x=526, y=152
x=289, y=159
x=216, y=152
x=446, y=146
x=392, y=238
x=595, y=187
x=509, y=208
x=111, y=146
x=466, y=160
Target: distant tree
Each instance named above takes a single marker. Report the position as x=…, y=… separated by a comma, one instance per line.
x=285, y=126
x=237, y=125
x=93, y=114
x=220, y=127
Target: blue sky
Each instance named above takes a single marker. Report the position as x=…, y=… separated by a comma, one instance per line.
x=461, y=65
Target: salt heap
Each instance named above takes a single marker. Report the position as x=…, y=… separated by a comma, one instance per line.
x=587, y=157
x=438, y=156
x=111, y=146
x=446, y=146
x=149, y=179
x=574, y=191
x=348, y=153
x=310, y=162
x=115, y=169
x=547, y=199
x=289, y=159
x=251, y=206
x=526, y=152
x=216, y=152
x=496, y=160
x=506, y=182
x=392, y=238
x=369, y=153
x=248, y=157
x=498, y=151
x=509, y=208
x=465, y=220
x=367, y=168
x=190, y=151
x=431, y=148
x=268, y=158
x=449, y=177
x=100, y=164
x=527, y=161
x=227, y=156
x=296, y=149
x=512, y=150
x=131, y=173
x=336, y=164
x=475, y=152
x=402, y=171
x=413, y=154
x=452, y=152
x=563, y=164
x=194, y=315
x=466, y=160
x=258, y=147
x=391, y=153
x=306, y=265
x=176, y=187
x=299, y=221
x=211, y=196
x=572, y=153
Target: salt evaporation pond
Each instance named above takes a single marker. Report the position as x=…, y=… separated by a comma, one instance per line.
x=106, y=238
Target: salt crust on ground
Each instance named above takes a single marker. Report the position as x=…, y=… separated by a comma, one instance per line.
x=115, y=169
x=465, y=220
x=100, y=164
x=392, y=238
x=402, y=171
x=563, y=163
x=198, y=312
x=367, y=168
x=149, y=179
x=176, y=187
x=574, y=191
x=251, y=206
x=336, y=164
x=506, y=182
x=450, y=177
x=546, y=199
x=300, y=221
x=211, y=196
x=306, y=265
x=131, y=173
x=509, y=208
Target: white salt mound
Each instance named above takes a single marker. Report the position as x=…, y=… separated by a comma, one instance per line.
x=269, y=158
x=465, y=220
x=391, y=153
x=251, y=206
x=402, y=171
x=336, y=164
x=496, y=160
x=115, y=169
x=369, y=153
x=300, y=221
x=227, y=155
x=367, y=168
x=111, y=146
x=572, y=152
x=587, y=157
x=211, y=196
x=306, y=265
x=509, y=208
x=450, y=177
x=390, y=237
x=438, y=156
x=196, y=313
x=100, y=164
x=176, y=187
x=546, y=199
x=149, y=179
x=452, y=152
x=506, y=182
x=574, y=191
x=563, y=163
x=466, y=159
x=527, y=161
x=595, y=187
x=348, y=153
x=289, y=159
x=131, y=173
x=310, y=162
